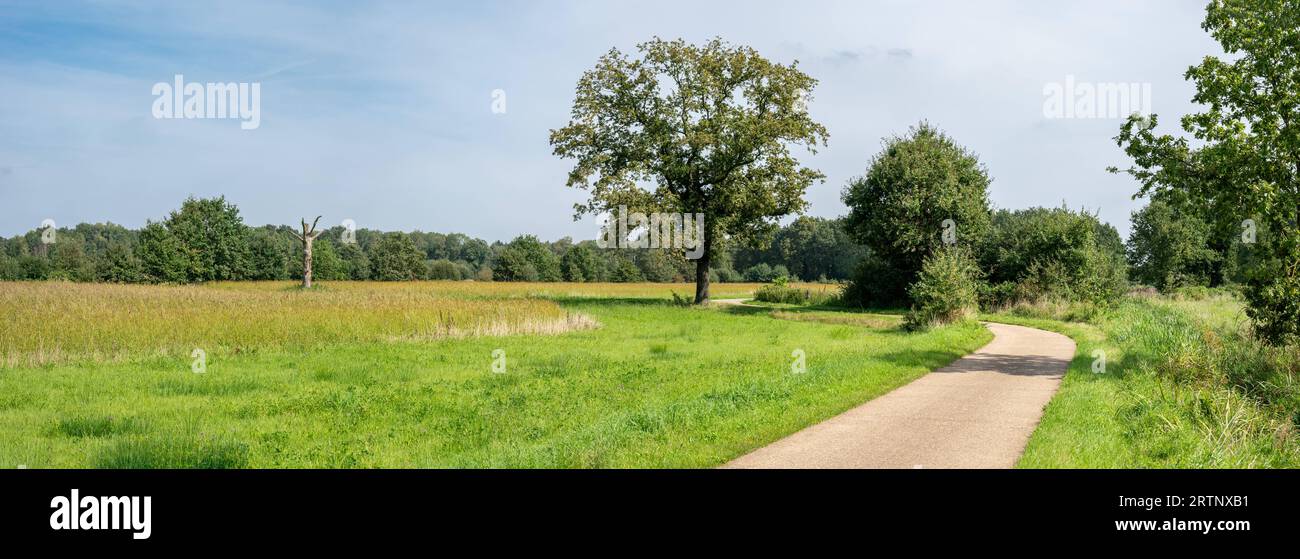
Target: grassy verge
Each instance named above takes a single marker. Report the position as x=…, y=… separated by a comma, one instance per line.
x=655, y=385
x=1182, y=387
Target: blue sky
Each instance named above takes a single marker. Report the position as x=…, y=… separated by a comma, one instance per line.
x=380, y=111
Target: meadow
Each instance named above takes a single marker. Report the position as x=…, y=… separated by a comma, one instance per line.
x=59, y=322
x=469, y=374
x=1183, y=386
x=430, y=374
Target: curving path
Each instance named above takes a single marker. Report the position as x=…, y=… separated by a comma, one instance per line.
x=977, y=412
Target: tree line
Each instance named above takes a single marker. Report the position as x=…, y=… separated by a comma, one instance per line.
x=206, y=240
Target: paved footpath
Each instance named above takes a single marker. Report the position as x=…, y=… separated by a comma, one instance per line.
x=975, y=413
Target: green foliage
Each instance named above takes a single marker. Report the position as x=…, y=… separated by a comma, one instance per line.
x=946, y=291
x=710, y=126
x=1169, y=249
x=443, y=269
x=119, y=265
x=779, y=292
x=68, y=260
x=1052, y=253
x=1247, y=160
x=355, y=262
x=1274, y=299
x=658, y=265
x=625, y=271
x=33, y=267
x=540, y=256
x=580, y=264
x=9, y=269
x=396, y=258
x=725, y=275
x=759, y=273
x=162, y=256
x=213, y=238
x=325, y=262
x=875, y=284
x=809, y=247
x=513, y=265
x=898, y=209
x=270, y=254
x=526, y=259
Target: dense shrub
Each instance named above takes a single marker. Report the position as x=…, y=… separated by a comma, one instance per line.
x=759, y=273
x=1274, y=297
x=781, y=292
x=213, y=237
x=443, y=269
x=946, y=291
x=725, y=275
x=1052, y=254
x=898, y=209
x=513, y=265
x=997, y=295
x=875, y=284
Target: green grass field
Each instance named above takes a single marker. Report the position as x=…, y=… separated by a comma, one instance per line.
x=594, y=375
x=1183, y=387
x=639, y=382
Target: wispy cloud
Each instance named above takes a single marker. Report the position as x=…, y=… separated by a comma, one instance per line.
x=380, y=111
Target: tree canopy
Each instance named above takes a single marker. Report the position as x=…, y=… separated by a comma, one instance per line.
x=1247, y=163
x=693, y=129
x=899, y=208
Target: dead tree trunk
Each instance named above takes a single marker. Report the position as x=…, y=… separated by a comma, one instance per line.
x=308, y=235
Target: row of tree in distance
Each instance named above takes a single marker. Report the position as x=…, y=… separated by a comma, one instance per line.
x=206, y=240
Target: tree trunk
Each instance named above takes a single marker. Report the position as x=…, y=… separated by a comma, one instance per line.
x=306, y=261
x=702, y=271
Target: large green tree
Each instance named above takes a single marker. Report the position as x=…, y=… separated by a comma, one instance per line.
x=1246, y=161
x=162, y=256
x=580, y=264
x=693, y=129
x=214, y=238
x=1169, y=249
x=396, y=258
x=900, y=208
x=526, y=259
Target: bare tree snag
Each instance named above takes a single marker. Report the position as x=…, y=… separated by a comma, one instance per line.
x=308, y=235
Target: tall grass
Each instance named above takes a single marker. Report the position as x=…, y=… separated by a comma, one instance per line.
x=550, y=290
x=812, y=294
x=53, y=322
x=1184, y=385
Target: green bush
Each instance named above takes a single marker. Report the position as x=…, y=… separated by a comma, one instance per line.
x=443, y=269
x=1052, y=253
x=997, y=295
x=1274, y=298
x=779, y=292
x=875, y=284
x=761, y=272
x=725, y=275
x=946, y=291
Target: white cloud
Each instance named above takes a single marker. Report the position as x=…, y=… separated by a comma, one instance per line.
x=380, y=112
